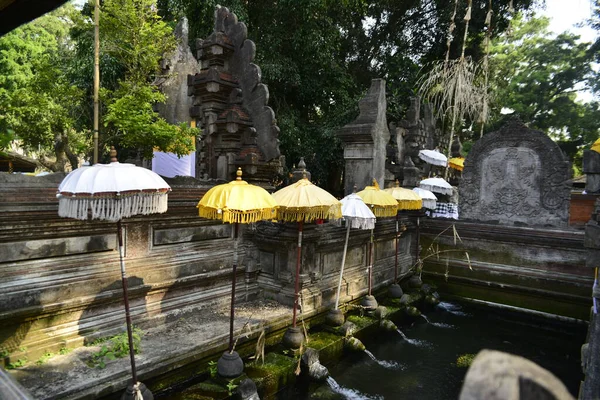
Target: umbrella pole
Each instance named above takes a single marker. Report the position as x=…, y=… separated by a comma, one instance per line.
x=370, y=262
x=337, y=298
x=417, y=255
x=396, y=261
x=235, y=262
x=297, y=284
x=126, y=301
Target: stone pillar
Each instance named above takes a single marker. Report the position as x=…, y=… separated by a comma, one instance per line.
x=365, y=139
x=591, y=169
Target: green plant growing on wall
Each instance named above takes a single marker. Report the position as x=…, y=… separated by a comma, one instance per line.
x=17, y=364
x=231, y=386
x=212, y=369
x=115, y=347
x=44, y=358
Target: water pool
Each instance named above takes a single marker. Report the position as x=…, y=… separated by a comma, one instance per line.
x=425, y=366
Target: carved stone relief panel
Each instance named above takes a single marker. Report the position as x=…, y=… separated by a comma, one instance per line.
x=516, y=175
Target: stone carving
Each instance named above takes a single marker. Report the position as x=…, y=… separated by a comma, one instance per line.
x=365, y=139
x=238, y=128
x=414, y=133
x=516, y=175
x=173, y=82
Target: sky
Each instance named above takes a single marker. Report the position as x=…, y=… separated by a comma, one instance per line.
x=566, y=14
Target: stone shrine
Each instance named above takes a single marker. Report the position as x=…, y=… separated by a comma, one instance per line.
x=412, y=134
x=518, y=176
x=229, y=100
x=365, y=139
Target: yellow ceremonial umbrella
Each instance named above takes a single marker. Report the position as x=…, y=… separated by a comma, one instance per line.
x=303, y=202
x=382, y=204
x=596, y=146
x=236, y=202
x=457, y=163
x=407, y=200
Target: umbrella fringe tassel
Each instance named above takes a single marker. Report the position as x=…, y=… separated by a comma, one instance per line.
x=410, y=204
x=384, y=211
x=429, y=203
x=112, y=209
x=236, y=216
x=436, y=189
x=307, y=214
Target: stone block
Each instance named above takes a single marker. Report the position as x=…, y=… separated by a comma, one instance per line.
x=592, y=259
x=591, y=162
x=592, y=235
x=592, y=183
x=193, y=234
x=495, y=375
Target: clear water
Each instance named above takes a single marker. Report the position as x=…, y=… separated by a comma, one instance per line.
x=430, y=372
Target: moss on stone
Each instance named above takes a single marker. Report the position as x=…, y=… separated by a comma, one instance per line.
x=361, y=321
x=320, y=340
x=273, y=374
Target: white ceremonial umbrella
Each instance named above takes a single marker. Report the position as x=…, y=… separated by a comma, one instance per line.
x=113, y=192
x=433, y=157
x=358, y=216
x=436, y=185
x=429, y=199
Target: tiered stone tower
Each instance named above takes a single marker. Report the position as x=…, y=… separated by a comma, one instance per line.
x=230, y=103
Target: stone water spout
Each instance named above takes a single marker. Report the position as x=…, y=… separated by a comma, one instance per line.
x=413, y=311
x=316, y=370
x=388, y=325
x=354, y=344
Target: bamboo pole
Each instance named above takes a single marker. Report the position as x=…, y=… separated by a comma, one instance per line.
x=96, y=75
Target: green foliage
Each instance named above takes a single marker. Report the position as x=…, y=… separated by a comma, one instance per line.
x=39, y=102
x=537, y=76
x=136, y=124
x=318, y=58
x=21, y=362
x=4, y=352
x=465, y=360
x=114, y=347
x=64, y=351
x=231, y=386
x=137, y=37
x=44, y=358
x=212, y=369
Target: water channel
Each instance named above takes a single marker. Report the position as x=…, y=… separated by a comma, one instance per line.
x=425, y=365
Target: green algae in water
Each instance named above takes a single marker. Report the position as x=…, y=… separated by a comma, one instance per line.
x=465, y=360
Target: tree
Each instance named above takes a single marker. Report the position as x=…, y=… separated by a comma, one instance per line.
x=538, y=76
x=39, y=102
x=137, y=37
x=318, y=57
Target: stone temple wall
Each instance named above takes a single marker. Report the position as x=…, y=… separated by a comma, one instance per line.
x=60, y=280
